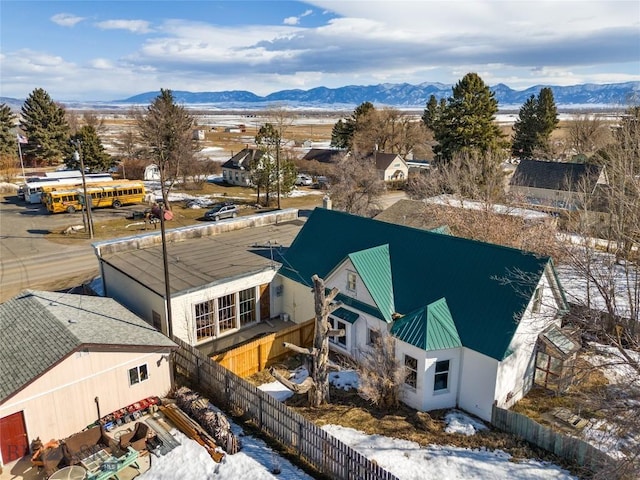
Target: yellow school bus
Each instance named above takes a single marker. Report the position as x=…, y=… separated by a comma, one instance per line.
x=114, y=194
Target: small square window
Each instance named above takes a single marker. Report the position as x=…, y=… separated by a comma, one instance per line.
x=138, y=374
x=374, y=336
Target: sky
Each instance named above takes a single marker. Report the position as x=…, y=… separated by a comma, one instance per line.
x=111, y=50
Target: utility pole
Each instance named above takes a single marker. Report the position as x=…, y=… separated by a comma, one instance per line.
x=165, y=262
x=77, y=156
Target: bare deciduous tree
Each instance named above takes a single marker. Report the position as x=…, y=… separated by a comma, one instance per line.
x=381, y=374
x=588, y=133
x=356, y=186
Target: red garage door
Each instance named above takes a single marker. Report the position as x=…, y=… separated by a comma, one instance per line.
x=13, y=437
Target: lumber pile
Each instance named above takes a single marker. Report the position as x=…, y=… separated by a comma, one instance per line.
x=192, y=430
x=212, y=420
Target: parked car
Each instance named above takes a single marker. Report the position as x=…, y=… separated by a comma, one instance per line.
x=222, y=210
x=303, y=180
x=322, y=183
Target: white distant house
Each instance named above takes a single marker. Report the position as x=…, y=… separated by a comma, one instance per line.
x=390, y=166
x=466, y=315
x=237, y=170
x=152, y=173
x=66, y=360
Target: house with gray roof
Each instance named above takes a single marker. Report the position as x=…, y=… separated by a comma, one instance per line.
x=556, y=185
x=390, y=166
x=237, y=170
x=465, y=314
x=66, y=360
x=325, y=155
x=221, y=277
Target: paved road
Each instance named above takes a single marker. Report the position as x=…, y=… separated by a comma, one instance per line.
x=29, y=260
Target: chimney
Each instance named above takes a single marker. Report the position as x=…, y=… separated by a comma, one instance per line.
x=326, y=202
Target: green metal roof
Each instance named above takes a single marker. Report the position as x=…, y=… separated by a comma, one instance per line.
x=442, y=230
x=426, y=267
x=346, y=315
x=429, y=328
x=374, y=267
x=358, y=305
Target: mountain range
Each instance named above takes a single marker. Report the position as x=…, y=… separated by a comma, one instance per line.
x=406, y=95
x=585, y=96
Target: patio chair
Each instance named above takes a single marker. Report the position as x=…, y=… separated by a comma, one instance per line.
x=136, y=439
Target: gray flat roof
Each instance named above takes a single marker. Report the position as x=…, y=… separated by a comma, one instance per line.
x=206, y=260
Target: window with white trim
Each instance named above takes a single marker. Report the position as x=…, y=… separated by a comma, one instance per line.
x=373, y=336
x=351, y=281
x=205, y=320
x=537, y=300
x=441, y=379
x=247, y=306
x=138, y=374
x=227, y=312
x=338, y=325
x=411, y=367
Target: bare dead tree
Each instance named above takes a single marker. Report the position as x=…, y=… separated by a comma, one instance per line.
x=316, y=385
x=588, y=133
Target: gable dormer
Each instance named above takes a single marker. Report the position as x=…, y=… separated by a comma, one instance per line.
x=365, y=276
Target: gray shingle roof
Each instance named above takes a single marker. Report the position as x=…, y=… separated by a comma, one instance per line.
x=556, y=175
x=39, y=329
x=243, y=159
x=325, y=155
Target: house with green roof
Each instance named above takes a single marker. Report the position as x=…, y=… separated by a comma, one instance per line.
x=66, y=360
x=465, y=314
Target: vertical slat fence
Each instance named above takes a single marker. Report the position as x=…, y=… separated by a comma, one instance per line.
x=314, y=445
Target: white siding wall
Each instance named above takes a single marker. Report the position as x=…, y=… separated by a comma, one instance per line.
x=423, y=396
x=137, y=298
x=338, y=279
x=515, y=373
x=297, y=300
x=477, y=383
x=62, y=401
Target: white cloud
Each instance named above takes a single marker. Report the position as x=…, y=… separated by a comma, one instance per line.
x=101, y=64
x=296, y=20
x=134, y=26
x=66, y=19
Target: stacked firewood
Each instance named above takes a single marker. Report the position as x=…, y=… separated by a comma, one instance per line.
x=192, y=430
x=214, y=422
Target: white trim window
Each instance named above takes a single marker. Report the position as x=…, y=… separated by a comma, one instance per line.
x=138, y=374
x=373, y=336
x=352, y=281
x=338, y=325
x=441, y=377
x=227, y=312
x=411, y=367
x=205, y=317
x=537, y=300
x=247, y=306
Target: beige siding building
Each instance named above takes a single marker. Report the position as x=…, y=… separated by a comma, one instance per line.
x=67, y=360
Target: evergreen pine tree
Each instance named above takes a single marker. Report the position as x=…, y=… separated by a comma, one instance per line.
x=525, y=137
x=431, y=113
x=466, y=123
x=537, y=119
x=8, y=140
x=547, y=118
x=46, y=128
x=343, y=130
x=94, y=157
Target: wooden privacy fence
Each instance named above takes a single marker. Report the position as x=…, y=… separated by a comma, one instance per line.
x=324, y=452
x=565, y=446
x=254, y=356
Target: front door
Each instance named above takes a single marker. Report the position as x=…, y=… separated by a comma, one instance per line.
x=13, y=437
x=265, y=302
